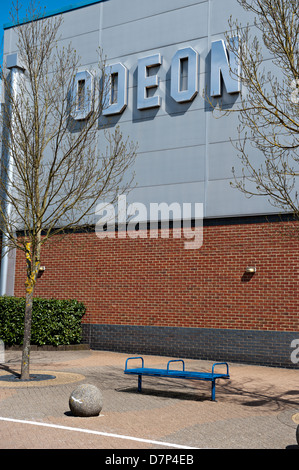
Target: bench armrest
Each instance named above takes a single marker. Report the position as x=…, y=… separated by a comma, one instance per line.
x=129, y=358
x=176, y=360
x=220, y=364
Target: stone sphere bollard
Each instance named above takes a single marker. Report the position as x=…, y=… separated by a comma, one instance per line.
x=86, y=400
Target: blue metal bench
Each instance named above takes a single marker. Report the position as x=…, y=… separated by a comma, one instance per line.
x=178, y=374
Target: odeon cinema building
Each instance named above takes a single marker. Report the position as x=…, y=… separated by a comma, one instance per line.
x=225, y=285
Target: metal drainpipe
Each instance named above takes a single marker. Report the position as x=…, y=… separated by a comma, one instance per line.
x=8, y=258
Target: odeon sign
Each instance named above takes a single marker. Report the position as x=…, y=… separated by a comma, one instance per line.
x=186, y=59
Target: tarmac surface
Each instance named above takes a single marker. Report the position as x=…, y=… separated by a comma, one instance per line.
x=257, y=408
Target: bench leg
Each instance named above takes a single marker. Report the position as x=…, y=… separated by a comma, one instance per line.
x=213, y=390
x=139, y=383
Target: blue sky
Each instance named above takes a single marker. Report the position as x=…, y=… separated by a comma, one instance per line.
x=50, y=5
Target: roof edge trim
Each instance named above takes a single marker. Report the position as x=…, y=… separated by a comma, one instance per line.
x=59, y=11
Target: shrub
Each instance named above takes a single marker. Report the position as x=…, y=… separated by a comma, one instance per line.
x=54, y=322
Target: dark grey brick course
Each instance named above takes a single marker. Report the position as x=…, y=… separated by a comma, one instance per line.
x=271, y=348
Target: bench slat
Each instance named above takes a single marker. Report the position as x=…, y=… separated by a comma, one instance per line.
x=176, y=373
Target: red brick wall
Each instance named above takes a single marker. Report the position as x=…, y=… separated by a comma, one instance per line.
x=158, y=282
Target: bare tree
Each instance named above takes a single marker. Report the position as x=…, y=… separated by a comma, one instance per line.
x=268, y=113
x=52, y=170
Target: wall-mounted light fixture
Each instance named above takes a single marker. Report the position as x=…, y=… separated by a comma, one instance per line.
x=250, y=269
x=41, y=271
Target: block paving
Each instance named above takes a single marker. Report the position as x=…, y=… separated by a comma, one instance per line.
x=257, y=408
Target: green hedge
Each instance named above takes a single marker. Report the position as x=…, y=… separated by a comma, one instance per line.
x=54, y=322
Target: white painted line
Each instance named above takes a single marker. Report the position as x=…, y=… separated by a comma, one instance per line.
x=98, y=433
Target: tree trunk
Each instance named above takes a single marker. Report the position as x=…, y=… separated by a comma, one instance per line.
x=25, y=373
x=33, y=265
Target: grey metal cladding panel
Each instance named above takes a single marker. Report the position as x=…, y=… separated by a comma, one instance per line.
x=179, y=165
x=222, y=157
x=223, y=129
x=82, y=21
x=166, y=132
x=224, y=201
x=87, y=48
x=221, y=10
x=173, y=27
x=10, y=41
x=115, y=13
x=80, y=28
x=181, y=193
x=183, y=163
